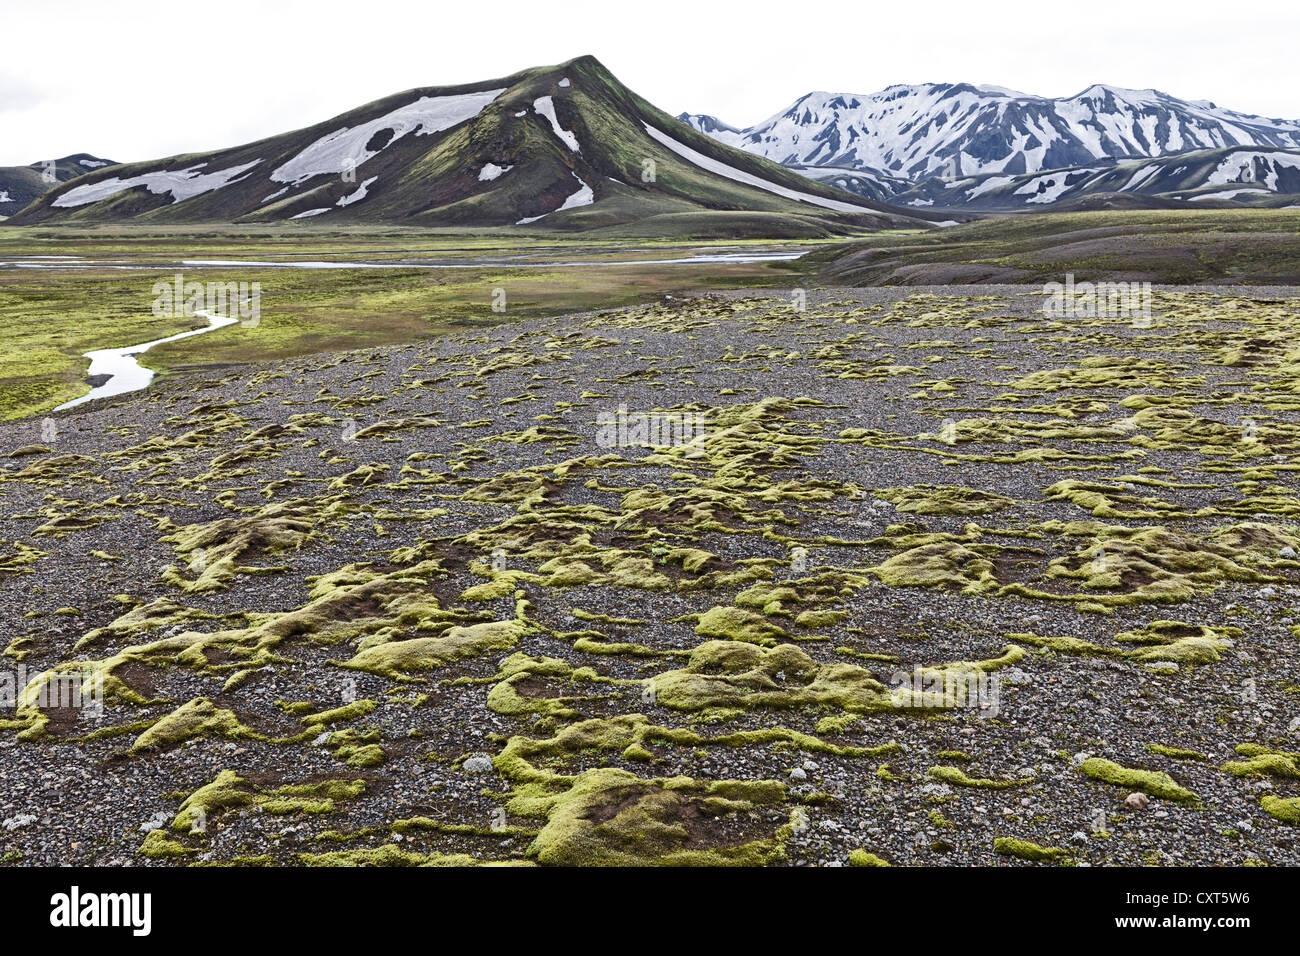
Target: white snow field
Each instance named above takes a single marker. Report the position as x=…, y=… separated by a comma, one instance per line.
x=1237, y=167
x=358, y=194
x=583, y=197
x=182, y=184
x=346, y=148
x=740, y=176
x=545, y=106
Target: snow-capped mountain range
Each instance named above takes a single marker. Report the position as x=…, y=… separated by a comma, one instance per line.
x=956, y=131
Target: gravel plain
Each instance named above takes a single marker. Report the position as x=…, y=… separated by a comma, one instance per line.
x=446, y=604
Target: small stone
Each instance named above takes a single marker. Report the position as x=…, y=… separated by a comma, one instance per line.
x=1137, y=801
x=479, y=763
x=798, y=773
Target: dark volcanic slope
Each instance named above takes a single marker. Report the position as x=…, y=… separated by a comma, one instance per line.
x=401, y=604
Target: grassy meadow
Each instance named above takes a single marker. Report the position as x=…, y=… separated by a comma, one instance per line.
x=50, y=317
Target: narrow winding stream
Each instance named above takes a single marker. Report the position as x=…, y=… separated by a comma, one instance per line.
x=118, y=371
x=125, y=374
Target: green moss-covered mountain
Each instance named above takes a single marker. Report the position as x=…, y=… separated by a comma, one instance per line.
x=565, y=147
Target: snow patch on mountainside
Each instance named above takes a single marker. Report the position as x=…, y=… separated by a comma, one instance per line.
x=182, y=184
x=585, y=196
x=1230, y=193
x=990, y=184
x=1045, y=189
x=740, y=176
x=359, y=194
x=545, y=106
x=491, y=171
x=347, y=148
x=1240, y=167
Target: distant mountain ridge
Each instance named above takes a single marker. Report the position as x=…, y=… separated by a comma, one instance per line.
x=19, y=185
x=1239, y=175
x=953, y=132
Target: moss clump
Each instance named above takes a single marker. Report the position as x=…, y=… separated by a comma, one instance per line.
x=229, y=791
x=199, y=717
x=1264, y=761
x=958, y=777
x=1148, y=781
x=1165, y=642
x=385, y=855
x=737, y=624
x=944, y=564
x=216, y=548
x=1174, y=753
x=519, y=670
x=1065, y=644
x=863, y=858
x=1188, y=650
x=944, y=500
x=504, y=698
x=749, y=791
x=502, y=585
x=820, y=619
x=736, y=674
x=612, y=818
x=1025, y=850
x=356, y=748
x=1287, y=810
x=392, y=659
x=350, y=711
x=159, y=613
x=1126, y=565
x=156, y=846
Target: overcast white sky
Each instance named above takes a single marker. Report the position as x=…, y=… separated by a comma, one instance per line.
x=139, y=79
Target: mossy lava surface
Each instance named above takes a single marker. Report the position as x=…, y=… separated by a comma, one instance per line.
x=902, y=577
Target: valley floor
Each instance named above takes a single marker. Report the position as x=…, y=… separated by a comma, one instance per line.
x=935, y=580
x=64, y=294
